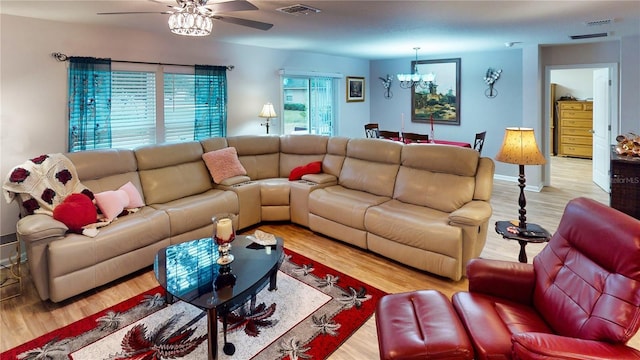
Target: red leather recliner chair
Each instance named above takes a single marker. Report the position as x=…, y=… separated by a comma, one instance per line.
x=580, y=299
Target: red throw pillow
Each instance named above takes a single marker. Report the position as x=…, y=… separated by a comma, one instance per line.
x=311, y=168
x=76, y=211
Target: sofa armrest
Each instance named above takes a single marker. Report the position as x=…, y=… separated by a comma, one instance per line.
x=37, y=231
x=322, y=178
x=235, y=180
x=504, y=279
x=473, y=213
x=550, y=346
x=37, y=227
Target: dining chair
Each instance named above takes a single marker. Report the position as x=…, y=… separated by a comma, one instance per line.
x=371, y=130
x=414, y=137
x=478, y=143
x=393, y=135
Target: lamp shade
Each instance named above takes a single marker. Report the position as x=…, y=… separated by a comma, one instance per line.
x=268, y=111
x=520, y=147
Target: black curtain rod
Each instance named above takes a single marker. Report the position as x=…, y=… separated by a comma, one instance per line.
x=62, y=57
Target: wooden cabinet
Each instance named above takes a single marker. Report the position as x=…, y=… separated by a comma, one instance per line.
x=625, y=184
x=575, y=126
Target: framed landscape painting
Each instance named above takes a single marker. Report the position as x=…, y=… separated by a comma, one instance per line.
x=440, y=98
x=355, y=88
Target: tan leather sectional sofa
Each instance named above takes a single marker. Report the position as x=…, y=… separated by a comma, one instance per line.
x=424, y=205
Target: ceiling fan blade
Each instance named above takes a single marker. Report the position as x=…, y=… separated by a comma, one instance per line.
x=134, y=12
x=230, y=6
x=244, y=22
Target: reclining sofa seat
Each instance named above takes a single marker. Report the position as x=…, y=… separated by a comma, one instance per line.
x=580, y=299
x=424, y=205
x=438, y=217
x=176, y=180
x=366, y=179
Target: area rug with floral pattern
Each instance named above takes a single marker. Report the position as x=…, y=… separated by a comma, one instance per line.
x=314, y=310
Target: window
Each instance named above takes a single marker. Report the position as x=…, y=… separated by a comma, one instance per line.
x=309, y=104
x=155, y=104
x=179, y=107
x=133, y=109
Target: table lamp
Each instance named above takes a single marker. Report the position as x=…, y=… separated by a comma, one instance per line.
x=267, y=112
x=519, y=147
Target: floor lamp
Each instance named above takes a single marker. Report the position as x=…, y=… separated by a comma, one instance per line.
x=267, y=112
x=520, y=147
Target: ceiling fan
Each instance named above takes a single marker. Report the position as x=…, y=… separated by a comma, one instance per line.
x=195, y=17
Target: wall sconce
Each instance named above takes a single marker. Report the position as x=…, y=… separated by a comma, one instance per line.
x=386, y=83
x=490, y=78
x=268, y=112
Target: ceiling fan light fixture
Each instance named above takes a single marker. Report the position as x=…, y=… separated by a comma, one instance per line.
x=190, y=22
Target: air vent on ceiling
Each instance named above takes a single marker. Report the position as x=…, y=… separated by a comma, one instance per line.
x=599, y=22
x=588, y=36
x=298, y=9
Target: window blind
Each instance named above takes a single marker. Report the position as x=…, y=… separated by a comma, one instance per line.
x=133, y=108
x=179, y=107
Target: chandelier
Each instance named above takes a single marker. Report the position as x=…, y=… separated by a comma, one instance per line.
x=190, y=21
x=408, y=81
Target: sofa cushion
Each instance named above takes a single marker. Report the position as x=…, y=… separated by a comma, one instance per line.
x=195, y=212
x=172, y=171
x=415, y=226
x=299, y=150
x=223, y=164
x=260, y=155
x=371, y=165
x=310, y=168
x=441, y=191
x=342, y=205
x=441, y=177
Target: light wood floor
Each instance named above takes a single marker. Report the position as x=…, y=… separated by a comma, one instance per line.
x=26, y=317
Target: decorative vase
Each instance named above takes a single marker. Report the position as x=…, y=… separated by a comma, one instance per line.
x=224, y=233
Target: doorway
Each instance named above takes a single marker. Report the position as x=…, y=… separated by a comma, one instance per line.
x=596, y=83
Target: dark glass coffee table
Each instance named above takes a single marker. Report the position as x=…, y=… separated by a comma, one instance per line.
x=189, y=272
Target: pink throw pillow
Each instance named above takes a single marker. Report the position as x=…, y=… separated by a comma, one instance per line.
x=135, y=200
x=223, y=164
x=311, y=168
x=111, y=203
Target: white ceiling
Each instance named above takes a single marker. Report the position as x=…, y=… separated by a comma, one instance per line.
x=372, y=29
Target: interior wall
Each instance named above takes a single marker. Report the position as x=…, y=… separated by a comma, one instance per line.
x=477, y=113
x=33, y=87
x=577, y=83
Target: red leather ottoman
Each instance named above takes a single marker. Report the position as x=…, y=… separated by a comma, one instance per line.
x=420, y=325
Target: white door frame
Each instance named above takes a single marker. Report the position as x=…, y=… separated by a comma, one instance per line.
x=614, y=106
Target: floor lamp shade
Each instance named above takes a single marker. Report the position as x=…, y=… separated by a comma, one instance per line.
x=519, y=147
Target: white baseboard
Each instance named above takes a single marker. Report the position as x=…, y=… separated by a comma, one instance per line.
x=514, y=179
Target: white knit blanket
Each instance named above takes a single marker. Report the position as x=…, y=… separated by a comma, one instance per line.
x=41, y=183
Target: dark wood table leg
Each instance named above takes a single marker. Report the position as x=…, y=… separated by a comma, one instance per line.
x=212, y=328
x=273, y=278
x=523, y=254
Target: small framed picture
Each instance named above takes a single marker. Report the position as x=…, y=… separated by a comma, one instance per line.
x=355, y=88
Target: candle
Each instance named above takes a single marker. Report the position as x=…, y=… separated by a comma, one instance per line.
x=224, y=229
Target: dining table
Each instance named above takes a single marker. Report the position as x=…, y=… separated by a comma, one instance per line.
x=436, y=141
x=454, y=143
